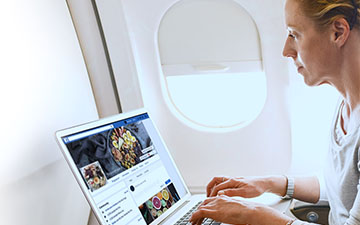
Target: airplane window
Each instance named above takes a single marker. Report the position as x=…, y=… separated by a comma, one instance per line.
x=218, y=100
x=212, y=64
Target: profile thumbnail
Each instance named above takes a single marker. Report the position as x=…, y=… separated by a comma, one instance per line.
x=94, y=176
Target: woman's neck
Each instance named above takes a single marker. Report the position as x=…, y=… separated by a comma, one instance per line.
x=348, y=82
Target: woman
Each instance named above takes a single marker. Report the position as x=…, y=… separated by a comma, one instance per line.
x=324, y=43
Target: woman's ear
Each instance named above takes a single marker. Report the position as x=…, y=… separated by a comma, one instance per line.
x=340, y=31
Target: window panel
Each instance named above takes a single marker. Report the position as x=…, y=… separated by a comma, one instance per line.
x=218, y=100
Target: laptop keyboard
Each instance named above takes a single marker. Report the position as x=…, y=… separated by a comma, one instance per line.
x=185, y=219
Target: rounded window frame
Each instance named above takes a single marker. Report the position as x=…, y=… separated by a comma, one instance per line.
x=173, y=107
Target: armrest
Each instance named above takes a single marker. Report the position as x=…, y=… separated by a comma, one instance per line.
x=315, y=213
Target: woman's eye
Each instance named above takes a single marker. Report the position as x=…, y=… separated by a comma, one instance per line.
x=291, y=35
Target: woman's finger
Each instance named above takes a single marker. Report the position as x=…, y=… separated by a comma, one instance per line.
x=233, y=192
x=215, y=181
x=197, y=222
x=207, y=200
x=228, y=184
x=200, y=214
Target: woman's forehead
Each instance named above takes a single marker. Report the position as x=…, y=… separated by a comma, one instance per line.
x=294, y=17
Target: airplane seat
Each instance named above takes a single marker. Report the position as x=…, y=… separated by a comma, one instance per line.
x=172, y=56
x=313, y=213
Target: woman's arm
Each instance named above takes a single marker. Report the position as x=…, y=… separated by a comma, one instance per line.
x=225, y=209
x=306, y=188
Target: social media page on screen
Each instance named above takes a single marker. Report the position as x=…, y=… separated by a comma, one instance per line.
x=127, y=170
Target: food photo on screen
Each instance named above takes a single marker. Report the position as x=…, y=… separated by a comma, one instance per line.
x=158, y=204
x=116, y=150
x=129, y=145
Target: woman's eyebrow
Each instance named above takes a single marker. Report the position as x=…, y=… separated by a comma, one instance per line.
x=291, y=26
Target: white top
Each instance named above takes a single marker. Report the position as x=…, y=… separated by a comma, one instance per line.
x=342, y=174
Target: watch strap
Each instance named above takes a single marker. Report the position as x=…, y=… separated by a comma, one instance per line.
x=290, y=187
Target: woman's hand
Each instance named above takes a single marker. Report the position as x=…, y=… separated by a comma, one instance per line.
x=243, y=187
x=223, y=209
x=234, y=211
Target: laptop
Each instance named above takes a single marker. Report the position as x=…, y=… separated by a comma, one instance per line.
x=126, y=172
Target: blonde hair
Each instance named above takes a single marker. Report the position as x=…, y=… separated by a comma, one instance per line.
x=324, y=12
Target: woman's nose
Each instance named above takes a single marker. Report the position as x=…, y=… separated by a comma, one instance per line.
x=288, y=50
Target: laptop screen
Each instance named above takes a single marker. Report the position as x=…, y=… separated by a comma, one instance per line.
x=127, y=170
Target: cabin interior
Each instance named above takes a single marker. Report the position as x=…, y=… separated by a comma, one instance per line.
x=210, y=72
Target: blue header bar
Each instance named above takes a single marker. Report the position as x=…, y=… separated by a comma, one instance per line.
x=96, y=130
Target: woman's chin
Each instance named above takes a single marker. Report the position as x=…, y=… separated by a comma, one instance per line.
x=311, y=82
x=314, y=83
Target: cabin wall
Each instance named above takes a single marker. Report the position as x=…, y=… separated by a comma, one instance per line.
x=113, y=94
x=44, y=87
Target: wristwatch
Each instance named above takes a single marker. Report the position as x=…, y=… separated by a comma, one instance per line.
x=290, y=187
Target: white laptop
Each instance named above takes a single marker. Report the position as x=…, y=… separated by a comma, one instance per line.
x=126, y=171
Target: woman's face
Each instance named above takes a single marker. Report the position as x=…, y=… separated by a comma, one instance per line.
x=310, y=48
